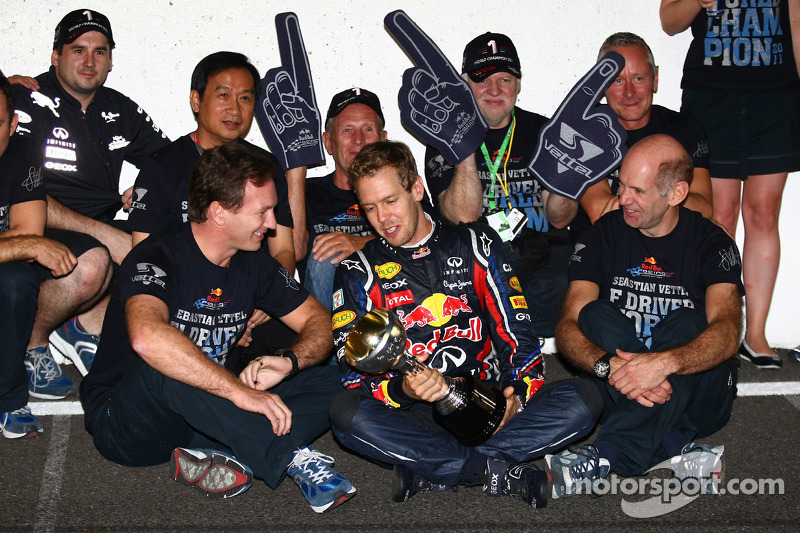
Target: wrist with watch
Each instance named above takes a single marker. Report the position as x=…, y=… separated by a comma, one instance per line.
x=290, y=355
x=602, y=367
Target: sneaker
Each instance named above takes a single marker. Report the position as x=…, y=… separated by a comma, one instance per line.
x=214, y=473
x=794, y=353
x=575, y=471
x=323, y=487
x=523, y=481
x=759, y=360
x=45, y=378
x=75, y=343
x=406, y=484
x=702, y=462
x=20, y=423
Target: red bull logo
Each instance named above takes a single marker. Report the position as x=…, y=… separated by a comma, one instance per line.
x=650, y=260
x=215, y=296
x=435, y=310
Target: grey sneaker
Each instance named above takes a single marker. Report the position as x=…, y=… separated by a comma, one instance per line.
x=575, y=471
x=702, y=462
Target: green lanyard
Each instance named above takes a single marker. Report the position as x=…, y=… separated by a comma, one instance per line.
x=501, y=154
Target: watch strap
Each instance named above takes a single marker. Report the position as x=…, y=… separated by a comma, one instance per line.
x=289, y=354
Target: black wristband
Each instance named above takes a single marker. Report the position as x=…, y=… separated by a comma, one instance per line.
x=289, y=354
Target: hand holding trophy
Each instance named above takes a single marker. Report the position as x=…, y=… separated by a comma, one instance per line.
x=470, y=410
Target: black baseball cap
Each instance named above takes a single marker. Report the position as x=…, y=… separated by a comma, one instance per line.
x=356, y=95
x=78, y=22
x=490, y=53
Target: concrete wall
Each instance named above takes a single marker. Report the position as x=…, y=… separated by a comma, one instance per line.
x=160, y=41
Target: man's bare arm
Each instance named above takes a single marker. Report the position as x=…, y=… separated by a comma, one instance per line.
x=296, y=180
x=699, y=198
x=599, y=200
x=338, y=246
x=462, y=201
x=571, y=341
x=60, y=216
x=312, y=322
x=281, y=247
x=174, y=355
x=559, y=210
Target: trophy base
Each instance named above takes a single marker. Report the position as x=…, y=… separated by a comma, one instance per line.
x=477, y=416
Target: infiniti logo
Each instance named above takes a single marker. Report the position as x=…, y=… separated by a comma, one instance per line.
x=60, y=133
x=455, y=262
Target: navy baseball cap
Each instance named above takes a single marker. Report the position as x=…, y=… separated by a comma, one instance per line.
x=78, y=22
x=356, y=95
x=490, y=53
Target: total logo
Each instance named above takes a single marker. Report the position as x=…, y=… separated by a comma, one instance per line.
x=435, y=310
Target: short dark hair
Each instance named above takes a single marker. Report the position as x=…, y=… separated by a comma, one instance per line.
x=221, y=176
x=625, y=38
x=8, y=92
x=218, y=62
x=373, y=157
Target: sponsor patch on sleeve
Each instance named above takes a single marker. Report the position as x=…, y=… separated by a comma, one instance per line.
x=338, y=299
x=342, y=319
x=518, y=302
x=514, y=282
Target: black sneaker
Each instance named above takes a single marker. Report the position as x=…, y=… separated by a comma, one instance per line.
x=759, y=360
x=523, y=481
x=794, y=353
x=406, y=484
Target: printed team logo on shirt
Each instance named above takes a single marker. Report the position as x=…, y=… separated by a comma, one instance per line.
x=34, y=179
x=650, y=269
x=213, y=301
x=518, y=302
x=342, y=319
x=45, y=101
x=117, y=142
x=136, y=202
x=514, y=282
x=388, y=270
x=109, y=116
x=353, y=214
x=149, y=273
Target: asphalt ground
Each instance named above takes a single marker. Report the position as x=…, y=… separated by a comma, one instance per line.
x=59, y=482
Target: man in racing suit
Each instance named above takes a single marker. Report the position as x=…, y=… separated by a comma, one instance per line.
x=464, y=311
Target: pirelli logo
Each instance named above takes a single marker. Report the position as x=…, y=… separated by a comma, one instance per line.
x=518, y=302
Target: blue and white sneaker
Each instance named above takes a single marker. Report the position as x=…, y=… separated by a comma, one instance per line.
x=702, y=462
x=20, y=423
x=323, y=487
x=75, y=343
x=575, y=471
x=794, y=353
x=213, y=472
x=45, y=378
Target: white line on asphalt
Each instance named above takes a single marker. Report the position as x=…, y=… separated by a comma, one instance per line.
x=776, y=388
x=50, y=490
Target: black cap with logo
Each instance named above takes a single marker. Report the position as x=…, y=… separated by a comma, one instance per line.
x=490, y=53
x=355, y=95
x=78, y=22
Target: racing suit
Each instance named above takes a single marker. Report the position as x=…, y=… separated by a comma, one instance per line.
x=463, y=307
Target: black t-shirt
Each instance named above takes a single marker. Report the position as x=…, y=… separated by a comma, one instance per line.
x=161, y=194
x=208, y=303
x=20, y=177
x=647, y=277
x=83, y=152
x=746, y=49
x=686, y=129
x=523, y=187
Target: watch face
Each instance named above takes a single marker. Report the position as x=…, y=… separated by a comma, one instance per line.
x=601, y=369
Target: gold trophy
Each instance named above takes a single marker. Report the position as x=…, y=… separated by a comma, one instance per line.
x=470, y=410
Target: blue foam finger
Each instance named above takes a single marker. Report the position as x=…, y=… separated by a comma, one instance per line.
x=583, y=142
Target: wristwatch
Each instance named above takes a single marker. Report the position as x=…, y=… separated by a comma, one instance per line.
x=289, y=354
x=602, y=367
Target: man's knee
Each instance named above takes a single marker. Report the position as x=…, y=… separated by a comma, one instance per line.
x=93, y=273
x=343, y=408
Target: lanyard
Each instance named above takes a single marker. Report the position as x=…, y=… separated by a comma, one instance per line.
x=502, y=153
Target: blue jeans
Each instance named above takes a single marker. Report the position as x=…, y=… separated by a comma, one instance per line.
x=559, y=413
x=148, y=415
x=700, y=404
x=319, y=280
